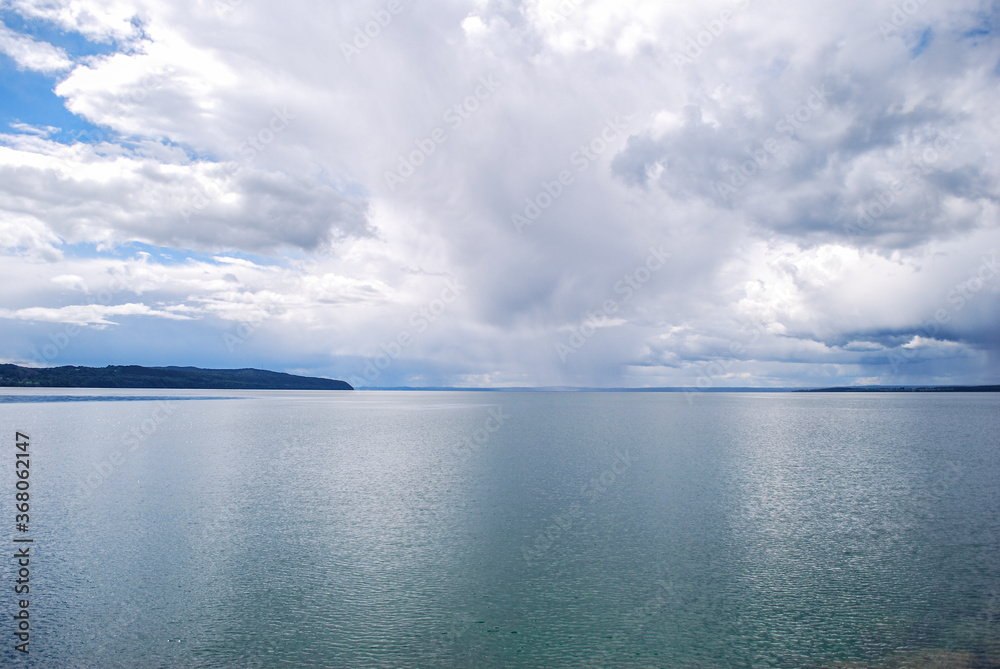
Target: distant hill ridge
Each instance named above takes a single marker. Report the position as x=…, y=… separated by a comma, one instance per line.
x=135, y=376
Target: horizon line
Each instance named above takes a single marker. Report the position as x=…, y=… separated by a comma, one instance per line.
x=680, y=389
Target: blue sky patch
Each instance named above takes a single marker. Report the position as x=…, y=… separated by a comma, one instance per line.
x=28, y=97
x=162, y=255
x=986, y=27
x=923, y=42
x=74, y=44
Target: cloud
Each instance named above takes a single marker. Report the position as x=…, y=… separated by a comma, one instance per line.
x=31, y=54
x=86, y=315
x=41, y=131
x=112, y=194
x=822, y=176
x=98, y=21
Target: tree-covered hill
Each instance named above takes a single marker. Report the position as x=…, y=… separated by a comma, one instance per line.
x=134, y=376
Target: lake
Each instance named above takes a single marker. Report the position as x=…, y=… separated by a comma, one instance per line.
x=506, y=529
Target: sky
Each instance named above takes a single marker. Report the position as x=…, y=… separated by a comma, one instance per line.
x=480, y=193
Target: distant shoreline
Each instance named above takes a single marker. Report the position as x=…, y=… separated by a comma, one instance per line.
x=196, y=378
x=179, y=378
x=905, y=389
x=681, y=389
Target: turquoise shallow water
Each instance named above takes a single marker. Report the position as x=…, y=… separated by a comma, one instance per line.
x=412, y=529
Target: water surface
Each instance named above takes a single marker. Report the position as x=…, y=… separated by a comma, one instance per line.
x=413, y=529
